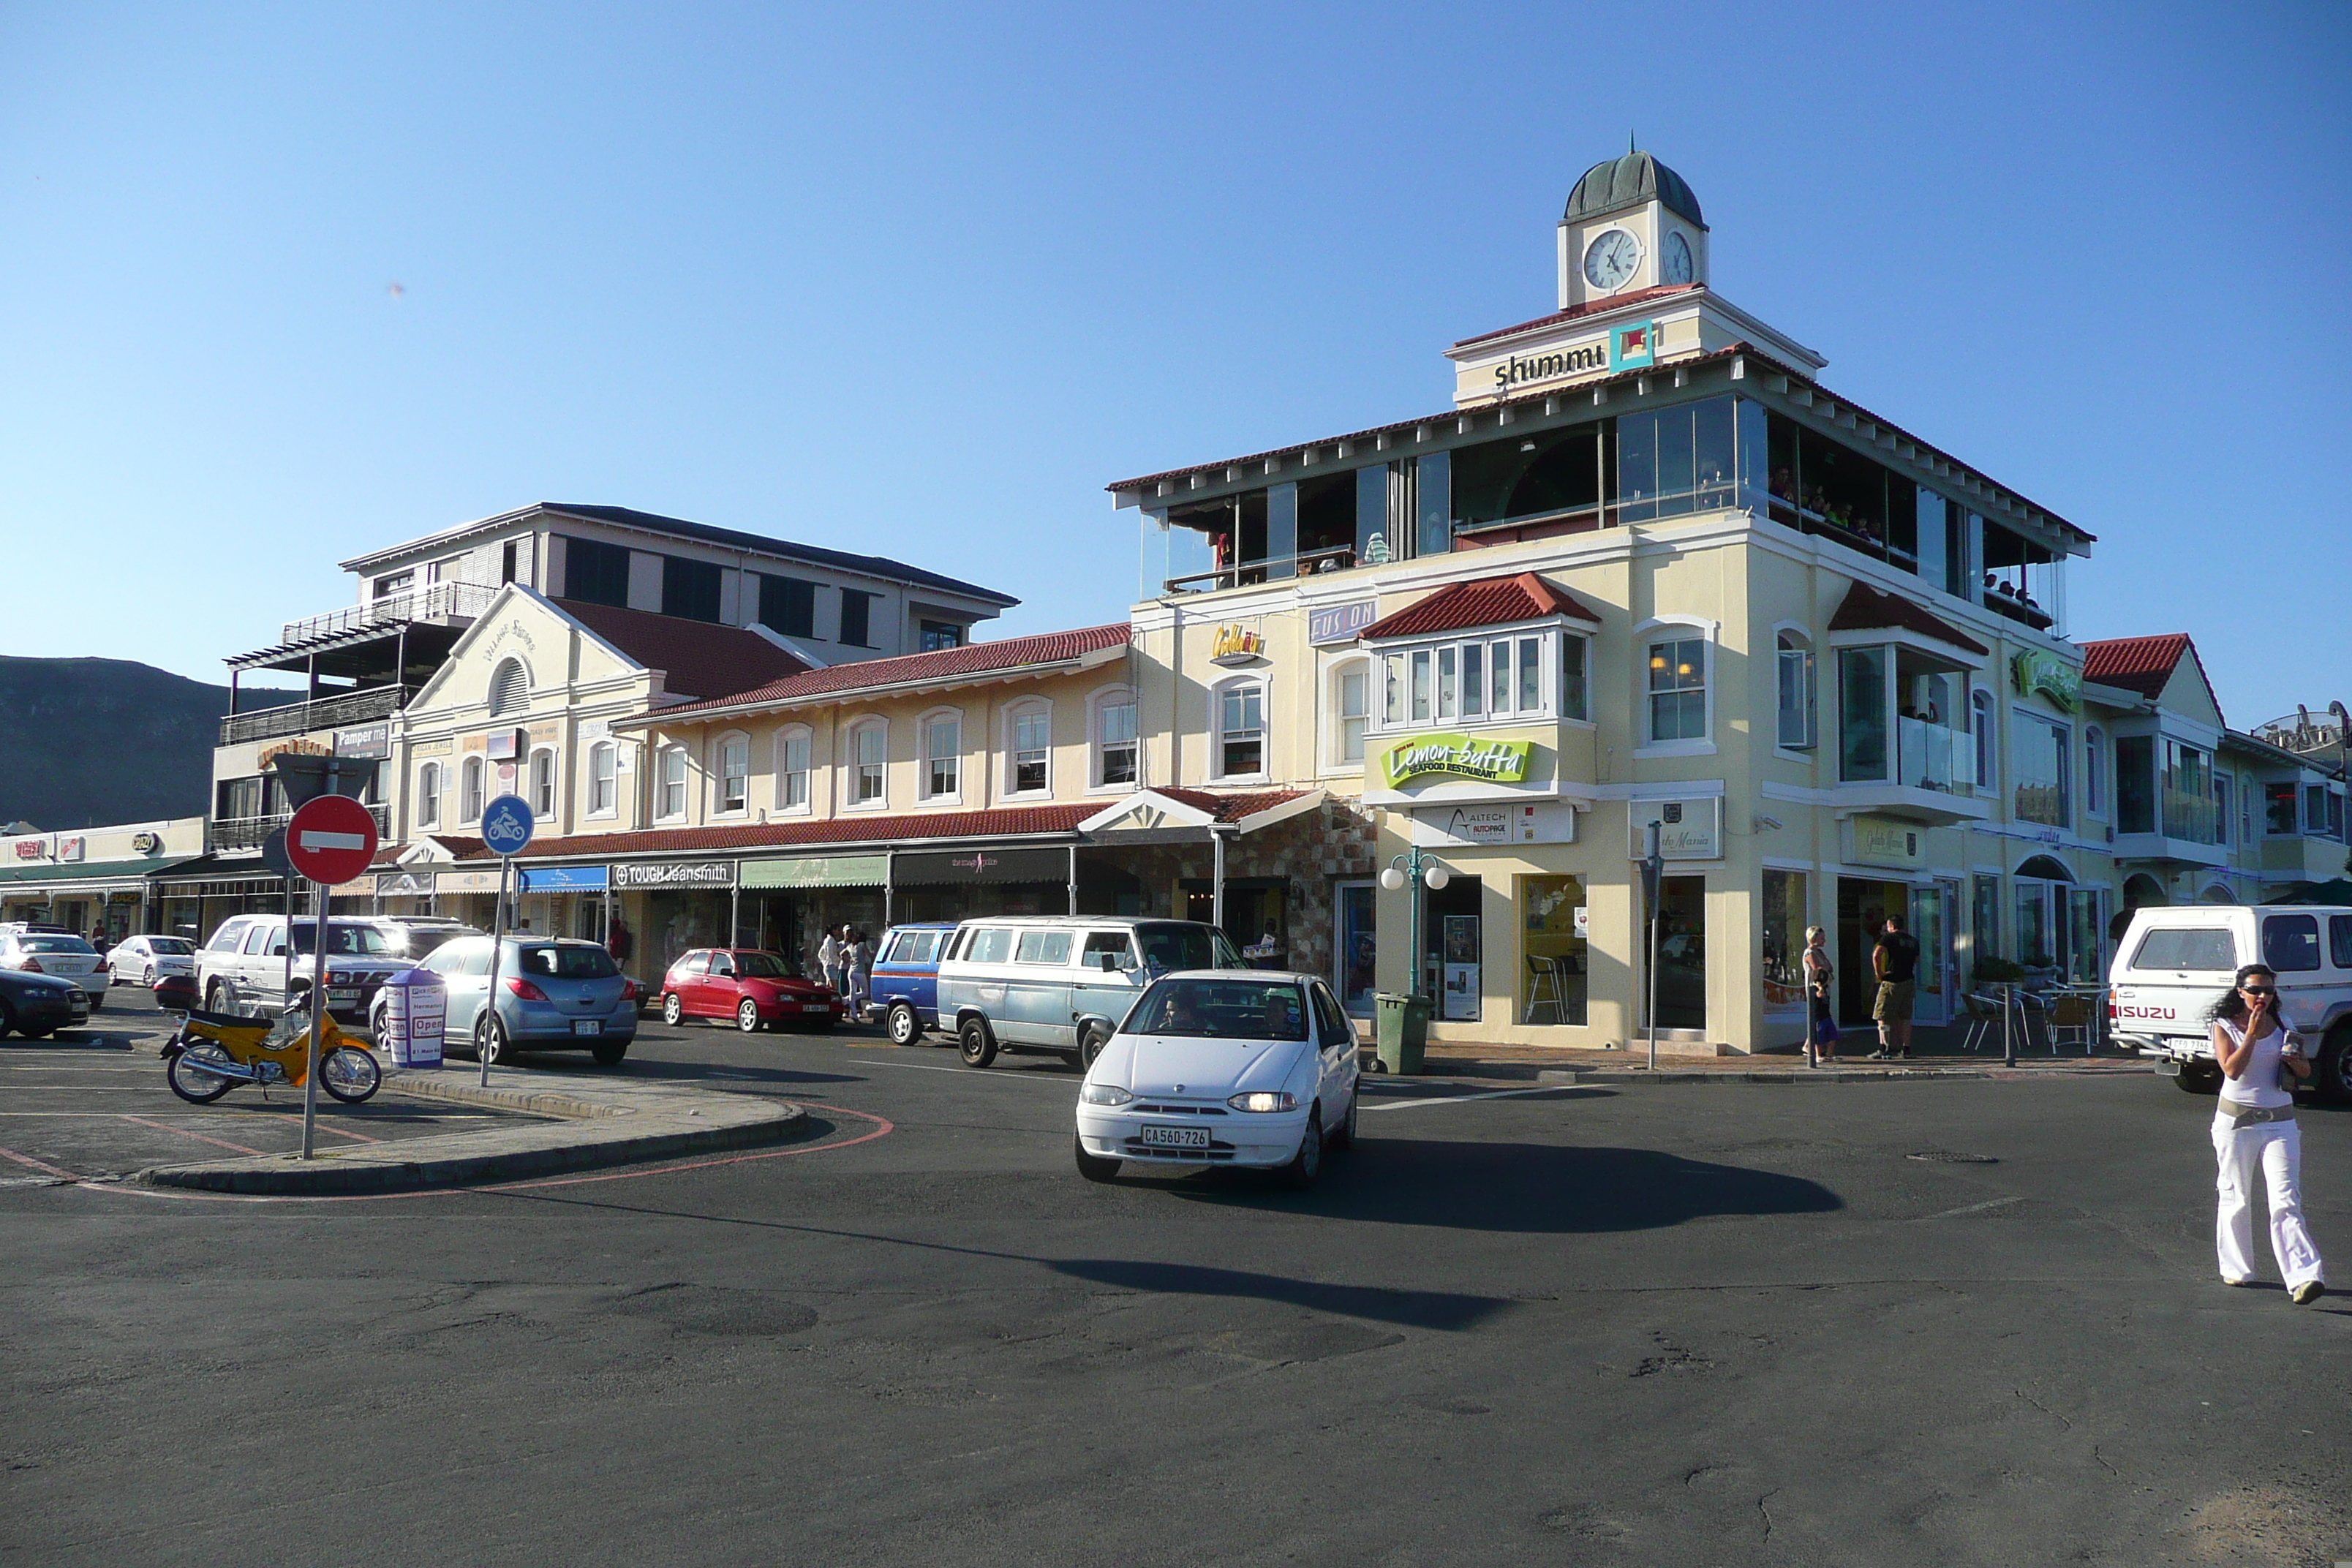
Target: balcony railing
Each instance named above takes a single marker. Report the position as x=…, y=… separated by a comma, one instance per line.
x=446, y=602
x=253, y=832
x=1923, y=756
x=326, y=713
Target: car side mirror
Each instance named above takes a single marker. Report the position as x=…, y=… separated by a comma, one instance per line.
x=1110, y=961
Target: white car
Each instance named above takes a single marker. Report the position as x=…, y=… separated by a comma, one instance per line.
x=144, y=960
x=1222, y=1067
x=60, y=954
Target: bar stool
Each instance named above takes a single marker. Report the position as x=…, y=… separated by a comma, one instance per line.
x=1546, y=979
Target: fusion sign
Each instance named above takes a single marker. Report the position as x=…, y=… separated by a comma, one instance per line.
x=1457, y=756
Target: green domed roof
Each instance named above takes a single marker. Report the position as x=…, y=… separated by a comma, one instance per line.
x=1618, y=184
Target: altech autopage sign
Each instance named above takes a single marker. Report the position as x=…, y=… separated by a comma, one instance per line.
x=1457, y=756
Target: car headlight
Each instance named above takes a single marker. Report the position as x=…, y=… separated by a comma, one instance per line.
x=1104, y=1094
x=1263, y=1099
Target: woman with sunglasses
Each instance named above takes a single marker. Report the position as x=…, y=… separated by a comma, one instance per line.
x=2255, y=1135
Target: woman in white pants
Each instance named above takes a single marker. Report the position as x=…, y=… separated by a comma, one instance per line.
x=2255, y=1136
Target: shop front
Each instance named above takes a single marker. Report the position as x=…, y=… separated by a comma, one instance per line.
x=665, y=908
x=789, y=902
x=966, y=883
x=467, y=893
x=565, y=901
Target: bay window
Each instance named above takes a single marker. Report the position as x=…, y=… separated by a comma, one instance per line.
x=2278, y=809
x=1901, y=719
x=1489, y=679
x=2134, y=783
x=2187, y=792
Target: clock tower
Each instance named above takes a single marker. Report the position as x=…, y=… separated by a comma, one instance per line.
x=1632, y=223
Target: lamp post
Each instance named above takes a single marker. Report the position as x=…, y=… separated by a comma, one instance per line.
x=1653, y=865
x=1427, y=870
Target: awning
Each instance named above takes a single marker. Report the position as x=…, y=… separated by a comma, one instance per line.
x=48, y=876
x=818, y=871
x=995, y=867
x=564, y=878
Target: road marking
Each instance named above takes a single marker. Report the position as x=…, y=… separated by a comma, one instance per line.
x=1457, y=1098
x=983, y=1073
x=38, y=1165
x=1972, y=1209
x=215, y=1142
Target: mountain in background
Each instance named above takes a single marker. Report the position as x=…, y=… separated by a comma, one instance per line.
x=89, y=742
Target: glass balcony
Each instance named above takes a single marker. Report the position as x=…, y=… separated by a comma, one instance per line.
x=2191, y=818
x=1923, y=754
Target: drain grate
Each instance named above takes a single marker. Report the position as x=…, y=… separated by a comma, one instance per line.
x=1947, y=1157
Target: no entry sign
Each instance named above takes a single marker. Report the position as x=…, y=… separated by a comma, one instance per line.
x=332, y=839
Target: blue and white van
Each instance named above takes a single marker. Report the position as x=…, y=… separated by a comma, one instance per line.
x=1060, y=984
x=906, y=991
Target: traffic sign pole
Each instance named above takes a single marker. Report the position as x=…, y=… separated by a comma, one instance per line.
x=506, y=829
x=317, y=1014
x=330, y=840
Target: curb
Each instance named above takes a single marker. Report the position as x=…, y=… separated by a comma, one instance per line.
x=594, y=1130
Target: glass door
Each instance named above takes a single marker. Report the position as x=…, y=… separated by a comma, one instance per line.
x=1931, y=923
x=1352, y=949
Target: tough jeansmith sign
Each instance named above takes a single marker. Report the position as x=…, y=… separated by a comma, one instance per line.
x=1458, y=756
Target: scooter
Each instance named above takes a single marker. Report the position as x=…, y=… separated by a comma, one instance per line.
x=212, y=1053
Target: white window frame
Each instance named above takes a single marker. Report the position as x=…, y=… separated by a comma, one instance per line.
x=473, y=786
x=1335, y=711
x=1098, y=705
x=1984, y=733
x=718, y=807
x=1559, y=666
x=542, y=778
x=662, y=784
x=1675, y=628
x=1035, y=708
x=600, y=754
x=1217, y=695
x=428, y=795
x=1807, y=658
x=1451, y=702
x=927, y=786
x=786, y=738
x=854, y=766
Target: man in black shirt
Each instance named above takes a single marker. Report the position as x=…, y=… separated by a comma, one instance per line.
x=1895, y=961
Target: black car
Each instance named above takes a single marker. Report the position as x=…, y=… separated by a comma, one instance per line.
x=36, y=1005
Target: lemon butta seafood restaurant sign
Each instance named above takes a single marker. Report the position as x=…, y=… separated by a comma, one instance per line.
x=1457, y=756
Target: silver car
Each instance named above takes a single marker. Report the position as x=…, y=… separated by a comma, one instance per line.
x=60, y=954
x=144, y=960
x=552, y=996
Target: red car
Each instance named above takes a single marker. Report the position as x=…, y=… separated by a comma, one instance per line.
x=756, y=989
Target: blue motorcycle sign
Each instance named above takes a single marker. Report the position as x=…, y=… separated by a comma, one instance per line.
x=508, y=824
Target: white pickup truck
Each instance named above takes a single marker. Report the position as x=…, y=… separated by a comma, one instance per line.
x=2174, y=963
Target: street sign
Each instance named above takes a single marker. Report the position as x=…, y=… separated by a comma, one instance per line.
x=508, y=824
x=330, y=839
x=273, y=855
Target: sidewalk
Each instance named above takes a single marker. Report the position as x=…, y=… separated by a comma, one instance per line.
x=593, y=1119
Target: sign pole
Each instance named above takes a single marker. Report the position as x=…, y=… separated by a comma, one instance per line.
x=329, y=840
x=1653, y=867
x=317, y=1014
x=506, y=829
x=485, y=1030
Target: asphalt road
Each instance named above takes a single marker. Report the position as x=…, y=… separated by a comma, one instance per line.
x=1686, y=1324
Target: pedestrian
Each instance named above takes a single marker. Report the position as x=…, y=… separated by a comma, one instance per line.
x=1820, y=1019
x=1895, y=961
x=829, y=954
x=861, y=973
x=2255, y=1139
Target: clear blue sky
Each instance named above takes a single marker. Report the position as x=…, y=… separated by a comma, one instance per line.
x=921, y=282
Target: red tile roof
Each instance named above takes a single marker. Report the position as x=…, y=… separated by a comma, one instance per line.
x=2143, y=665
x=1004, y=822
x=696, y=658
x=1865, y=608
x=1592, y=308
x=1231, y=808
x=1487, y=602
x=915, y=669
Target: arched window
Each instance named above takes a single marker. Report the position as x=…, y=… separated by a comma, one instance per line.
x=1117, y=759
x=509, y=687
x=542, y=783
x=1237, y=713
x=603, y=779
x=428, y=795
x=870, y=753
x=1029, y=749
x=942, y=773
x=793, y=768
x=733, y=760
x=1350, y=697
x=1795, y=728
x=670, y=784
x=469, y=791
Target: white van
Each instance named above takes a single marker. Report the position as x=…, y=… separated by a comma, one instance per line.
x=2174, y=963
x=1061, y=984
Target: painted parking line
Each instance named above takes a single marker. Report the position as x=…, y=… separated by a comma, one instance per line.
x=37, y=1164
x=982, y=1074
x=1427, y=1100
x=215, y=1142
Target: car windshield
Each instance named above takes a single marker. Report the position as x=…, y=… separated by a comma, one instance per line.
x=168, y=944
x=342, y=941
x=766, y=966
x=1170, y=947
x=54, y=944
x=581, y=962
x=1222, y=1009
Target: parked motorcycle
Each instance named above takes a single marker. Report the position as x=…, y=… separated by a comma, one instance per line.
x=212, y=1053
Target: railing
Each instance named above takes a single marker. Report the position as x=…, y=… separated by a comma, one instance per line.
x=437, y=602
x=1249, y=573
x=2191, y=818
x=1923, y=756
x=327, y=713
x=253, y=832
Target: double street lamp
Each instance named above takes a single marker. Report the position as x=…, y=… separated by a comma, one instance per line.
x=1431, y=872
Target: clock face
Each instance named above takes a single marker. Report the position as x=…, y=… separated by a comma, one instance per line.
x=1678, y=259
x=1611, y=259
